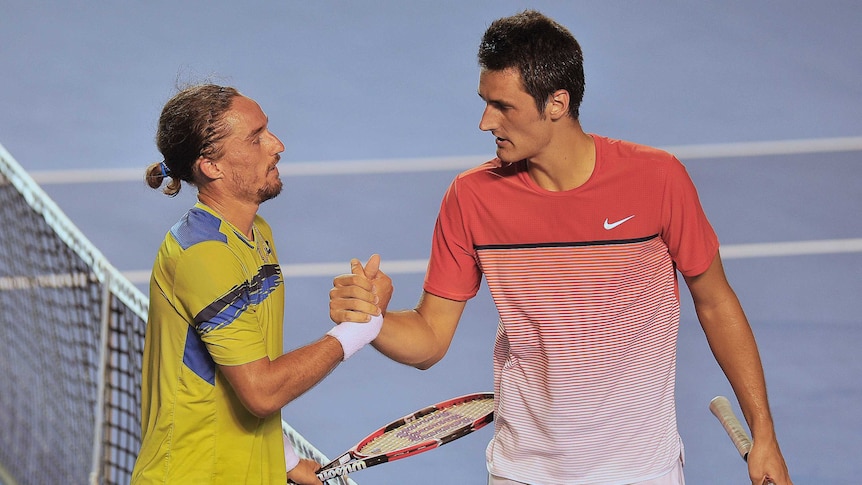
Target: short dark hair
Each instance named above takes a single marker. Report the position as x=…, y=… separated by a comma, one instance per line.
x=190, y=126
x=545, y=53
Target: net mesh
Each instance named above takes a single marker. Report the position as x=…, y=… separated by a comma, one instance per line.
x=72, y=333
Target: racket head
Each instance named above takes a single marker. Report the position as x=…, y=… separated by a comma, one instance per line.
x=429, y=427
x=420, y=431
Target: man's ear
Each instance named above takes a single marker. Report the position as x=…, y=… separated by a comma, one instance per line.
x=209, y=168
x=558, y=104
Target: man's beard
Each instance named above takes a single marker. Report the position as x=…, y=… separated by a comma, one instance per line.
x=270, y=191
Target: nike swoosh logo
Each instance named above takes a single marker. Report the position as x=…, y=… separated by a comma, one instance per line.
x=611, y=225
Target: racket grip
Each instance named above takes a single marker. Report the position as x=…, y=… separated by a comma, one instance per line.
x=720, y=407
x=319, y=477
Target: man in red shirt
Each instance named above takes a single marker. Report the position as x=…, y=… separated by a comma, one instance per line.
x=579, y=238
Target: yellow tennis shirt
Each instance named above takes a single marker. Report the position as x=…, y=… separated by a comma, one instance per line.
x=216, y=299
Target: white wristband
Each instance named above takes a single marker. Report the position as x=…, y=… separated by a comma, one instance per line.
x=353, y=335
x=290, y=458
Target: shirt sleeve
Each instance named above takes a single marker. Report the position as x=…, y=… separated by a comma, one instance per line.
x=453, y=269
x=686, y=231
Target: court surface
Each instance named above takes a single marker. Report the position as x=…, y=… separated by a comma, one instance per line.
x=377, y=104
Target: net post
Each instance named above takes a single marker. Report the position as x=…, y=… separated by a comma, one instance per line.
x=99, y=411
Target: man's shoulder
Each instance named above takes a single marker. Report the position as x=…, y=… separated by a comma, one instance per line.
x=491, y=170
x=197, y=226
x=612, y=147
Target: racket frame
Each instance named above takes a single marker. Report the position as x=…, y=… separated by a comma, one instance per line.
x=353, y=460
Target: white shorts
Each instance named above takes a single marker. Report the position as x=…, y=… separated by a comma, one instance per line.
x=674, y=477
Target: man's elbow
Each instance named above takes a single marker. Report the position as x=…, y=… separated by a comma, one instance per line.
x=253, y=387
x=261, y=408
x=258, y=404
x=427, y=364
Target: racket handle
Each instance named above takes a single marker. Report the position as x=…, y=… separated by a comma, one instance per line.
x=720, y=407
x=291, y=482
x=319, y=477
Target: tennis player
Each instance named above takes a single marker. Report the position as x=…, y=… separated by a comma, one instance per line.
x=214, y=375
x=579, y=238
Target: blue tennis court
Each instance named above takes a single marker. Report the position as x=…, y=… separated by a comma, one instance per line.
x=376, y=103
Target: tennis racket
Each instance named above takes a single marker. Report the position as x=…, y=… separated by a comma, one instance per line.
x=423, y=430
x=720, y=407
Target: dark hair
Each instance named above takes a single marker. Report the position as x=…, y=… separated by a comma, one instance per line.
x=190, y=126
x=544, y=52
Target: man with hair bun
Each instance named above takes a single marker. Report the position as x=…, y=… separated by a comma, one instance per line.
x=214, y=374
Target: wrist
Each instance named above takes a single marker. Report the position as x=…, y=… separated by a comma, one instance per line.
x=291, y=459
x=354, y=335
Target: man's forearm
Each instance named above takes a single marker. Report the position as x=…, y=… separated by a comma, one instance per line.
x=733, y=344
x=408, y=339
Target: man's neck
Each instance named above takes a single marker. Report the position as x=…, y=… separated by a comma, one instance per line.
x=240, y=215
x=566, y=164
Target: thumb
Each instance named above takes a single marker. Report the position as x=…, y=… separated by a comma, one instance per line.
x=372, y=266
x=356, y=267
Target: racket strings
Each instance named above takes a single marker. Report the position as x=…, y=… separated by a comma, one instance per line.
x=432, y=426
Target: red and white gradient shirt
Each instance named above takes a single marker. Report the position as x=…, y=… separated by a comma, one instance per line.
x=585, y=284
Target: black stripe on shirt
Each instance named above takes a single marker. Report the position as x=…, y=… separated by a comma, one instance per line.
x=608, y=242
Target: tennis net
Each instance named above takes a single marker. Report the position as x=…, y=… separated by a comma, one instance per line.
x=72, y=333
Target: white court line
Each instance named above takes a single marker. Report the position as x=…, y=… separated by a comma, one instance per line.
x=400, y=165
x=417, y=266
x=797, y=248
